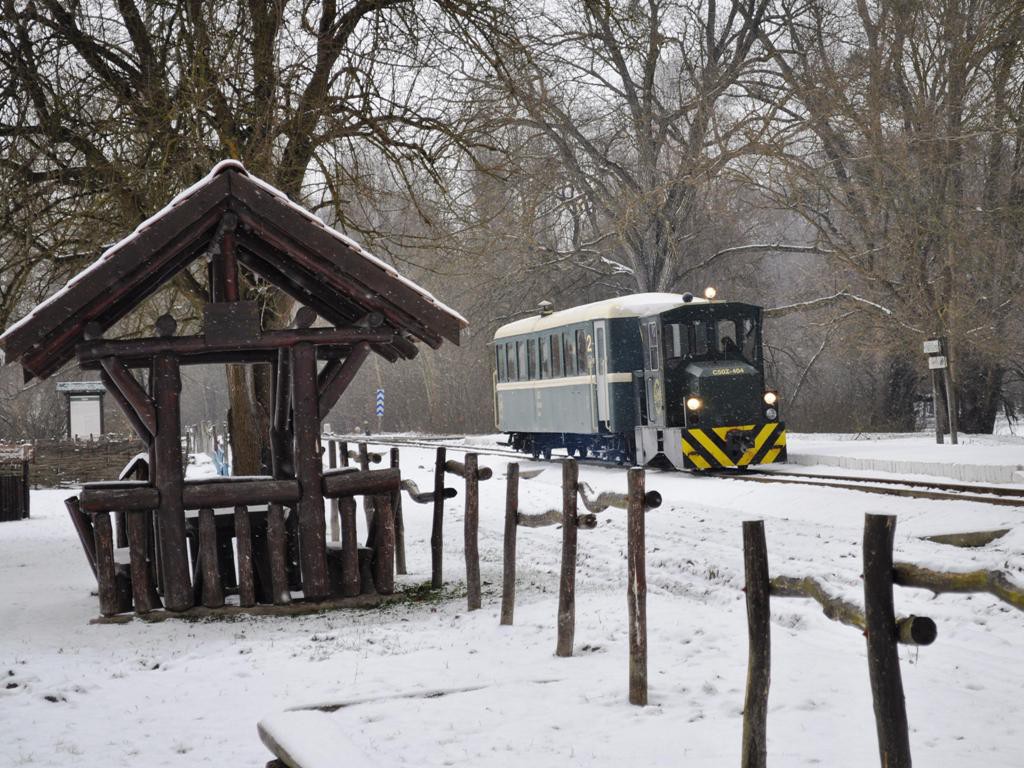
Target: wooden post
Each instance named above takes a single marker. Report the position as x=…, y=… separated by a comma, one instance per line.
x=883, y=656
x=396, y=506
x=343, y=453
x=471, y=532
x=636, y=590
x=309, y=472
x=936, y=387
x=103, y=536
x=349, y=547
x=364, y=465
x=143, y=591
x=121, y=530
x=567, y=583
x=951, y=403
x=508, y=577
x=243, y=542
x=384, y=546
x=213, y=590
x=332, y=462
x=168, y=478
x=437, y=529
x=759, y=658
x=278, y=555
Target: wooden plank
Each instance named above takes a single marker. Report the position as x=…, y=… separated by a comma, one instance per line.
x=83, y=527
x=396, y=505
x=508, y=578
x=759, y=655
x=213, y=590
x=309, y=472
x=243, y=544
x=567, y=580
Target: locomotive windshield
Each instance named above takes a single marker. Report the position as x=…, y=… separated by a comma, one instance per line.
x=718, y=332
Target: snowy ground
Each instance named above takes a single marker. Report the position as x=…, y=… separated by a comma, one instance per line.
x=190, y=693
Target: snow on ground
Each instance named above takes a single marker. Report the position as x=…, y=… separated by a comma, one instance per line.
x=182, y=693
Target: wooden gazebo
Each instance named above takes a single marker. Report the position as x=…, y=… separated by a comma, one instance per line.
x=234, y=221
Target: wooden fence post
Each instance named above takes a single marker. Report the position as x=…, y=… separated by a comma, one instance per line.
x=508, y=579
x=636, y=590
x=213, y=590
x=396, y=507
x=437, y=529
x=278, y=554
x=349, y=547
x=384, y=546
x=143, y=592
x=883, y=656
x=103, y=536
x=471, y=526
x=759, y=658
x=364, y=465
x=567, y=582
x=243, y=539
x=332, y=463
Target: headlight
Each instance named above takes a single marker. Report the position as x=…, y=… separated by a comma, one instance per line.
x=770, y=398
x=694, y=403
x=771, y=414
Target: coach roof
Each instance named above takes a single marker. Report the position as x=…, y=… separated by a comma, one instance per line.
x=633, y=305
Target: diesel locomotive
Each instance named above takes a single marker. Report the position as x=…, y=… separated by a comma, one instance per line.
x=647, y=378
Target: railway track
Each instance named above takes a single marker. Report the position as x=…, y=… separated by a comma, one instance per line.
x=887, y=486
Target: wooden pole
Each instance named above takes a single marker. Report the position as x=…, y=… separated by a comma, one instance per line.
x=143, y=592
x=437, y=528
x=936, y=386
x=103, y=536
x=332, y=463
x=883, y=657
x=636, y=590
x=471, y=532
x=396, y=506
x=168, y=478
x=278, y=555
x=309, y=472
x=567, y=582
x=951, y=406
x=384, y=546
x=364, y=465
x=243, y=539
x=508, y=577
x=213, y=590
x=759, y=658
x=343, y=453
x=349, y=547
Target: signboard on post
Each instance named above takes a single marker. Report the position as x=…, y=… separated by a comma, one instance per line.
x=936, y=362
x=933, y=347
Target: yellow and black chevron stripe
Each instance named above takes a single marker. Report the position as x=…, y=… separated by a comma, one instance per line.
x=705, y=448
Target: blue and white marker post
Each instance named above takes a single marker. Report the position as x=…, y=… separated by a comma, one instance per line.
x=380, y=408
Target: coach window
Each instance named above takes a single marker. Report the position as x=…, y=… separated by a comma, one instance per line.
x=545, y=356
x=499, y=361
x=582, y=353
x=510, y=360
x=570, y=353
x=556, y=355
x=523, y=367
x=531, y=356
x=652, y=344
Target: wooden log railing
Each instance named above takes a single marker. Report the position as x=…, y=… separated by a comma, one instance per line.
x=473, y=473
x=877, y=620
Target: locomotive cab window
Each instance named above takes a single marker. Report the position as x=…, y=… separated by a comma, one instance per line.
x=652, y=345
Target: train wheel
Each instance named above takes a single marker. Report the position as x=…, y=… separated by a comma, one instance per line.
x=547, y=454
x=582, y=452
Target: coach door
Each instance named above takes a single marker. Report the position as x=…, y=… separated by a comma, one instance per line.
x=653, y=386
x=601, y=354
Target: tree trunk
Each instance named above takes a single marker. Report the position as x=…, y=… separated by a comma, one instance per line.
x=979, y=386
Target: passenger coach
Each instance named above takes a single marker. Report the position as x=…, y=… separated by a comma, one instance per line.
x=651, y=377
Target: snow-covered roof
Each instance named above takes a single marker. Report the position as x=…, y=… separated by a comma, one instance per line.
x=633, y=305
x=134, y=267
x=81, y=387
